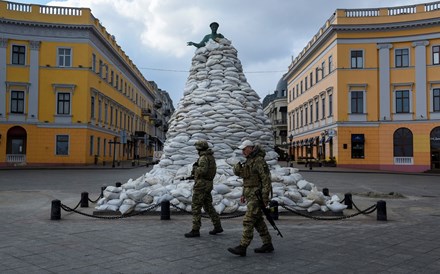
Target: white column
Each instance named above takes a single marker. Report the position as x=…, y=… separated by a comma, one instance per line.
x=421, y=111
x=384, y=81
x=34, y=81
x=3, y=56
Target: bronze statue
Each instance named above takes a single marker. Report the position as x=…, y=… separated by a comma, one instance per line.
x=214, y=36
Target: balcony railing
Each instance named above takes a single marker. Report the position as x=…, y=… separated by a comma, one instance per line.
x=15, y=158
x=403, y=161
x=280, y=122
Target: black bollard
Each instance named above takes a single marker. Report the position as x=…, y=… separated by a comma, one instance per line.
x=102, y=191
x=55, y=212
x=325, y=192
x=84, y=199
x=165, y=210
x=348, y=201
x=273, y=205
x=118, y=184
x=381, y=208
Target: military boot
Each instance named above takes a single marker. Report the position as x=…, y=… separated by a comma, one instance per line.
x=266, y=248
x=216, y=230
x=238, y=250
x=192, y=234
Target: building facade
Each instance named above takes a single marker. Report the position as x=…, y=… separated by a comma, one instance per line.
x=275, y=107
x=365, y=90
x=70, y=95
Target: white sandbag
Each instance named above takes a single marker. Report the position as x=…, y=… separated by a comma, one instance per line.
x=314, y=207
x=221, y=188
x=113, y=189
x=294, y=195
x=136, y=195
x=148, y=199
x=230, y=209
x=316, y=196
x=111, y=195
x=303, y=184
x=115, y=202
x=165, y=198
x=287, y=201
x=234, y=194
x=219, y=208
x=127, y=206
x=336, y=206
x=305, y=203
x=107, y=207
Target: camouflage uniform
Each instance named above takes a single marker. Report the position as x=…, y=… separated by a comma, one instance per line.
x=256, y=175
x=204, y=172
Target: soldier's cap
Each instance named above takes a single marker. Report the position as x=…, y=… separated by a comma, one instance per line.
x=246, y=143
x=213, y=23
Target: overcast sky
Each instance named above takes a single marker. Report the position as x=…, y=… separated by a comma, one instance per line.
x=266, y=33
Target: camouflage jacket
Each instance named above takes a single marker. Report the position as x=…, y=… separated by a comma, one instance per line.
x=256, y=175
x=204, y=169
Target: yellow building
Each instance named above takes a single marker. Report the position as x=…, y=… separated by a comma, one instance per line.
x=69, y=93
x=365, y=90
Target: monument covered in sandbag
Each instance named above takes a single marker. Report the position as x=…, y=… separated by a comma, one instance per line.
x=219, y=106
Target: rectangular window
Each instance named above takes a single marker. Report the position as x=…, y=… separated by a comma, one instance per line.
x=18, y=55
x=357, y=146
x=63, y=103
x=91, y=145
x=357, y=59
x=111, y=115
x=117, y=82
x=402, y=101
x=99, y=111
x=116, y=119
x=302, y=118
x=357, y=101
x=330, y=64
x=402, y=58
x=92, y=107
x=436, y=100
x=317, y=110
x=311, y=79
x=17, y=101
x=306, y=114
x=322, y=70
x=297, y=90
x=64, y=57
x=302, y=87
x=323, y=107
x=104, y=147
x=306, y=83
x=93, y=62
x=311, y=113
x=112, y=75
x=101, y=65
x=105, y=113
x=330, y=105
x=62, y=145
x=98, y=146
x=436, y=55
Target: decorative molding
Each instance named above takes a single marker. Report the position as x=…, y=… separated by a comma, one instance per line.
x=423, y=43
x=3, y=42
x=384, y=46
x=35, y=45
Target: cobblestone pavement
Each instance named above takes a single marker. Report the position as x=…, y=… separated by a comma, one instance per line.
x=409, y=242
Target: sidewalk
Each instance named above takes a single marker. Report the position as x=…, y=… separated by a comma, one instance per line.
x=408, y=242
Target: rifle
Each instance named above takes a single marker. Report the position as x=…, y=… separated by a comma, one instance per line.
x=266, y=211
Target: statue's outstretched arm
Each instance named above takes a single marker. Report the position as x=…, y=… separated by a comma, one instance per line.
x=201, y=44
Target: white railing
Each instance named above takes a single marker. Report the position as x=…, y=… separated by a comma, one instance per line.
x=432, y=6
x=15, y=158
x=403, y=161
x=19, y=7
x=402, y=10
x=362, y=13
x=60, y=11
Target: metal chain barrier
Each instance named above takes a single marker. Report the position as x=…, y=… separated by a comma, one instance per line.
x=207, y=216
x=366, y=211
x=68, y=209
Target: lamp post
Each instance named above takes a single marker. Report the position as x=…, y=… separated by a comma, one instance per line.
x=290, y=149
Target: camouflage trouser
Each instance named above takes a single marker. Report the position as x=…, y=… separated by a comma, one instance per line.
x=202, y=198
x=254, y=219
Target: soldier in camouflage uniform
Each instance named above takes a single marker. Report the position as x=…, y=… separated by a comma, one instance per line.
x=256, y=176
x=204, y=171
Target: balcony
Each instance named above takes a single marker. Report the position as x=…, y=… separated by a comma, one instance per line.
x=282, y=122
x=157, y=104
x=146, y=112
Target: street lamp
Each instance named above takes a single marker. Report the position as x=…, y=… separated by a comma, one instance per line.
x=290, y=148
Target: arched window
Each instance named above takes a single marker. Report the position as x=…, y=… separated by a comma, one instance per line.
x=403, y=143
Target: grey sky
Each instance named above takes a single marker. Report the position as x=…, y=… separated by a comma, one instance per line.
x=266, y=33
